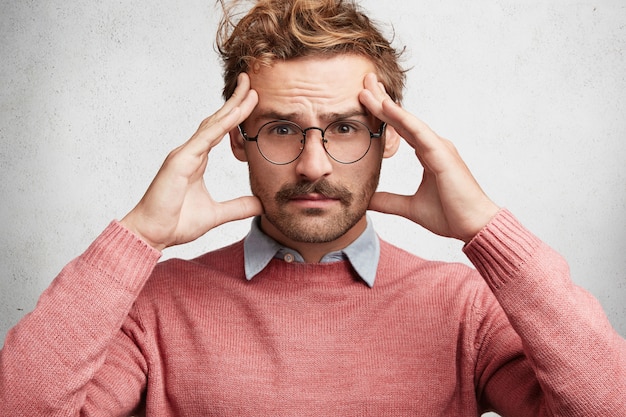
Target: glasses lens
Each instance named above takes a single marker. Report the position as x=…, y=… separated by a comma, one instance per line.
x=280, y=142
x=347, y=141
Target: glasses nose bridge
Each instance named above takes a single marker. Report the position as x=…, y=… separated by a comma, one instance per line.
x=306, y=130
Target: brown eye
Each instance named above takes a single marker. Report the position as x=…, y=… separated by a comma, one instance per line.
x=282, y=130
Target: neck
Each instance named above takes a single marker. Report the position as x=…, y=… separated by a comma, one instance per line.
x=314, y=252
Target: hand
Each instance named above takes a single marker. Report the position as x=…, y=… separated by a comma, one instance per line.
x=449, y=201
x=177, y=208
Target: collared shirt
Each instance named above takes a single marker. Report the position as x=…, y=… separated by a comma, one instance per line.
x=363, y=254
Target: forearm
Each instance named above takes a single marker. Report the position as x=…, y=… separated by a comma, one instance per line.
x=52, y=354
x=578, y=359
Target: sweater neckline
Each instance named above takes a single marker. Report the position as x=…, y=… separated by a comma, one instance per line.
x=335, y=273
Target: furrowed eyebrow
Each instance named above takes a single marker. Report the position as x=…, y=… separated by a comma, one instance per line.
x=274, y=115
x=344, y=115
x=327, y=117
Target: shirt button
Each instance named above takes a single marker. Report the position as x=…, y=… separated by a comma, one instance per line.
x=289, y=258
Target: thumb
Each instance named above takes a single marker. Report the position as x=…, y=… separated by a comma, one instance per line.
x=239, y=208
x=390, y=203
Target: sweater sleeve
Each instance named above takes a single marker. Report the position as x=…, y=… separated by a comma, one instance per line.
x=573, y=362
x=50, y=358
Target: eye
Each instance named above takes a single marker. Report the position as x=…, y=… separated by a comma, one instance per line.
x=346, y=128
x=282, y=129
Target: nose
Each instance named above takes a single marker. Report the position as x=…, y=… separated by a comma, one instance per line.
x=313, y=163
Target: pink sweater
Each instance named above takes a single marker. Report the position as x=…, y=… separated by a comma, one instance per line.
x=429, y=339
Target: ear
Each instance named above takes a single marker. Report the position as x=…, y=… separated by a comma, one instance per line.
x=237, y=145
x=392, y=142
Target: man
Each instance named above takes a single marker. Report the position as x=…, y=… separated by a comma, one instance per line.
x=312, y=314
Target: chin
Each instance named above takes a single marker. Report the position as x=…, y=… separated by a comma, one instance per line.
x=313, y=227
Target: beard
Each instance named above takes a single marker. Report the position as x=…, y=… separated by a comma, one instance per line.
x=316, y=225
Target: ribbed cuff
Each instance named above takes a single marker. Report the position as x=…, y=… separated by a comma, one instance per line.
x=501, y=248
x=121, y=255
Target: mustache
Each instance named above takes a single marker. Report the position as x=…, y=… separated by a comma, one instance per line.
x=323, y=187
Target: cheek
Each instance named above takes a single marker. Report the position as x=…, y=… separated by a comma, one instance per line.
x=367, y=178
x=264, y=181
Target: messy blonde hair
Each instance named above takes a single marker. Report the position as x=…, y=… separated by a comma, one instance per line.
x=285, y=29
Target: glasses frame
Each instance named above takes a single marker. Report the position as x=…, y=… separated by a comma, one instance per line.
x=373, y=135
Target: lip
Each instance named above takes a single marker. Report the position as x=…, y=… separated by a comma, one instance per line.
x=313, y=200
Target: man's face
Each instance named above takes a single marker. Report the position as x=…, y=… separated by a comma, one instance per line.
x=313, y=199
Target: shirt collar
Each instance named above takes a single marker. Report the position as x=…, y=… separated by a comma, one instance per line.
x=363, y=254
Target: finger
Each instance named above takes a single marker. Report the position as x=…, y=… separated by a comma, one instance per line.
x=213, y=129
x=417, y=133
x=373, y=95
x=234, y=111
x=238, y=96
x=238, y=209
x=390, y=203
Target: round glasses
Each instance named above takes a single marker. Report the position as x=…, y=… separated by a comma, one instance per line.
x=282, y=142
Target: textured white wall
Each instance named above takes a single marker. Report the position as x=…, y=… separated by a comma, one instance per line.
x=95, y=94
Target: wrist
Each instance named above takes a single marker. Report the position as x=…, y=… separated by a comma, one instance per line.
x=487, y=214
x=129, y=225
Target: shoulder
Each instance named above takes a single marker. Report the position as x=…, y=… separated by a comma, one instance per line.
x=402, y=269
x=451, y=294
x=398, y=262
x=182, y=276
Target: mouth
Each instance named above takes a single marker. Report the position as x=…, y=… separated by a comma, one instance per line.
x=313, y=200
x=313, y=197
x=318, y=194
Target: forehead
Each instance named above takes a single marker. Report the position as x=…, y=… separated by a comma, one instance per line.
x=311, y=87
